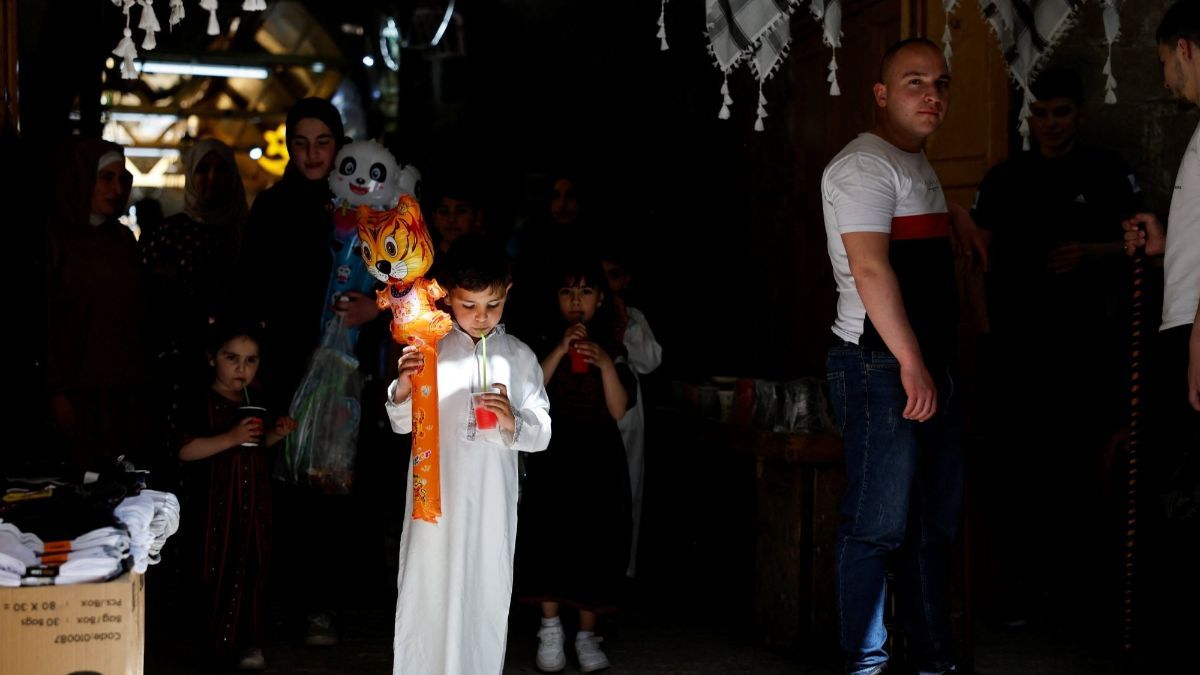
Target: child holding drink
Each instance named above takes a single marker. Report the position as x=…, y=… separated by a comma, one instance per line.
x=455, y=579
x=573, y=547
x=229, y=488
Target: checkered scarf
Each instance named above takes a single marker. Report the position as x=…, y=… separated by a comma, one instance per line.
x=758, y=31
x=1028, y=30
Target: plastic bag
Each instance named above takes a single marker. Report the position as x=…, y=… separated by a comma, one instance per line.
x=320, y=452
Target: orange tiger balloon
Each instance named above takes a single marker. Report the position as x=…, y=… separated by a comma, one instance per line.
x=397, y=251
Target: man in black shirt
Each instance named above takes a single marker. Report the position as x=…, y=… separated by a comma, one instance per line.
x=1054, y=358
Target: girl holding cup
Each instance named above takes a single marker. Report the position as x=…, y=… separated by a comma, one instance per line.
x=229, y=487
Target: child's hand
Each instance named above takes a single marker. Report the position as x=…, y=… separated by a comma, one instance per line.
x=499, y=404
x=593, y=354
x=284, y=426
x=249, y=430
x=411, y=362
x=574, y=333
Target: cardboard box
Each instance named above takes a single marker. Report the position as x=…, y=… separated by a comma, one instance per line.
x=97, y=629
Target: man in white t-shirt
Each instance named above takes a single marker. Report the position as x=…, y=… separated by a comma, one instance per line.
x=1173, y=465
x=889, y=227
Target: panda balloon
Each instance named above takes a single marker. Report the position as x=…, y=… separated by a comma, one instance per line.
x=366, y=174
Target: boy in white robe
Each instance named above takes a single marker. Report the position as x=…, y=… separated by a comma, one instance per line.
x=455, y=580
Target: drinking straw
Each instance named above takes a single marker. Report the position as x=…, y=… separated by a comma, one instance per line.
x=483, y=339
x=246, y=393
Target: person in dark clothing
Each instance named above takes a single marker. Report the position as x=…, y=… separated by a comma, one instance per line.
x=96, y=370
x=1055, y=291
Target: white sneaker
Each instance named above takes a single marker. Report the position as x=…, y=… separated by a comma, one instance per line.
x=252, y=660
x=321, y=632
x=591, y=658
x=550, y=655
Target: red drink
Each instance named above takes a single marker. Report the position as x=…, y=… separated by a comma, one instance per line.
x=578, y=363
x=484, y=418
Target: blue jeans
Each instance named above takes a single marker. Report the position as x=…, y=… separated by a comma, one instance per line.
x=903, y=497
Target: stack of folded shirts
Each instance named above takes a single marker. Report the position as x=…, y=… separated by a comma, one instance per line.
x=97, y=555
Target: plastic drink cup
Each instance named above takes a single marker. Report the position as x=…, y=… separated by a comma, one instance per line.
x=254, y=412
x=484, y=418
x=578, y=363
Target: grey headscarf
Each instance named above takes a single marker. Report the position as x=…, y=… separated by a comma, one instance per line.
x=229, y=209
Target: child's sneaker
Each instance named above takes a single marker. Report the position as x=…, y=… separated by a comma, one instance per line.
x=587, y=649
x=550, y=655
x=321, y=632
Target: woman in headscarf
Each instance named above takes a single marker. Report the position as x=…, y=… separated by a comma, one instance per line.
x=286, y=264
x=188, y=261
x=96, y=370
x=189, y=257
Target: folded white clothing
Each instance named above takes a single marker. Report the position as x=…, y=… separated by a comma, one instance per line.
x=9, y=580
x=12, y=565
x=114, y=552
x=102, y=536
x=12, y=544
x=29, y=539
x=87, y=570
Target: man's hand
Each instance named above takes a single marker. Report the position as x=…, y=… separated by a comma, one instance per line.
x=922, y=393
x=970, y=238
x=1154, y=236
x=1194, y=365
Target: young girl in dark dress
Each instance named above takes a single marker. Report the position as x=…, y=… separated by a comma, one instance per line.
x=575, y=522
x=229, y=489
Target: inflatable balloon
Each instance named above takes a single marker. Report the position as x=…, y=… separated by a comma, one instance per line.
x=397, y=250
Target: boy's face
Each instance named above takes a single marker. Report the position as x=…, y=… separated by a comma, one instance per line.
x=477, y=312
x=237, y=364
x=579, y=302
x=1054, y=123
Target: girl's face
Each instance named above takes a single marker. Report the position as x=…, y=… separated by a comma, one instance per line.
x=313, y=148
x=579, y=300
x=236, y=363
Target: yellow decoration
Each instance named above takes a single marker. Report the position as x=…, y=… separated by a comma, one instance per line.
x=275, y=158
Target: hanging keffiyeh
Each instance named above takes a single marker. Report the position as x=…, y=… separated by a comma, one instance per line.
x=748, y=29
x=829, y=13
x=1112, y=31
x=947, y=9
x=662, y=26
x=1028, y=30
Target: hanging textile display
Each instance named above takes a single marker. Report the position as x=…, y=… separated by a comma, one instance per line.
x=662, y=26
x=948, y=7
x=829, y=13
x=148, y=22
x=753, y=30
x=1028, y=32
x=1112, y=31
